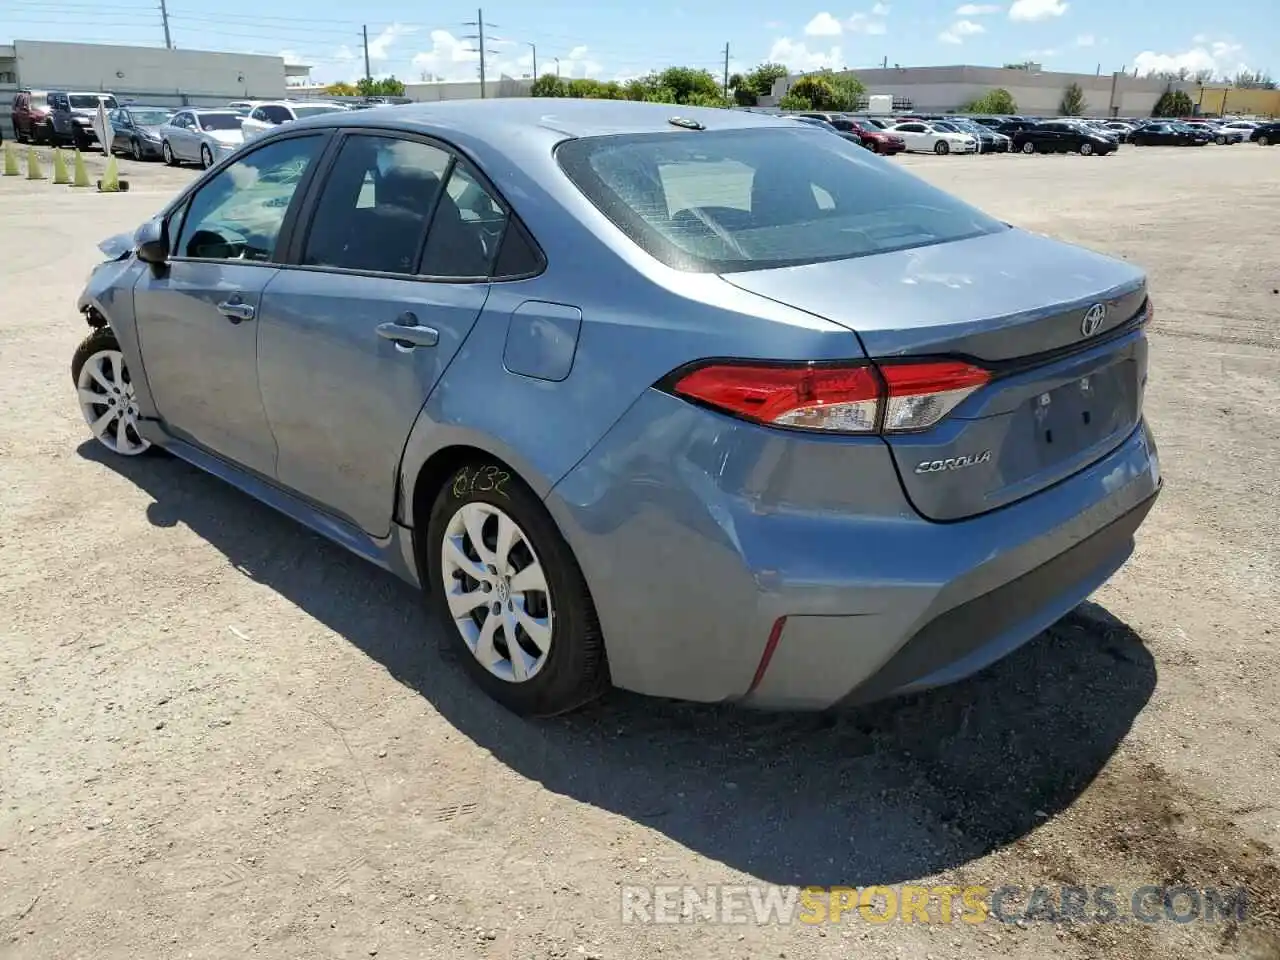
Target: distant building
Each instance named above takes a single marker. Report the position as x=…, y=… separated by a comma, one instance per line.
x=430, y=91
x=153, y=74
x=1036, y=91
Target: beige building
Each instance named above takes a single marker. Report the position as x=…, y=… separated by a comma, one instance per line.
x=1036, y=91
x=151, y=74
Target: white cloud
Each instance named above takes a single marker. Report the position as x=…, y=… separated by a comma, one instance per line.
x=1199, y=38
x=977, y=9
x=1031, y=10
x=380, y=46
x=1221, y=56
x=290, y=56
x=823, y=25
x=1085, y=40
x=800, y=58
x=880, y=10
x=863, y=23
x=959, y=30
x=448, y=59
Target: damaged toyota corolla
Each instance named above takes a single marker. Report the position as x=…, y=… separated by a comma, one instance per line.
x=693, y=402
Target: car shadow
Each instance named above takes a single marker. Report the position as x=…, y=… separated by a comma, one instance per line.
x=877, y=794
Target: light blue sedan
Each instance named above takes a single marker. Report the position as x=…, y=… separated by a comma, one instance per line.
x=694, y=402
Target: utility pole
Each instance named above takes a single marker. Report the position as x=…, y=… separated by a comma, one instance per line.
x=368, y=74
x=534, y=48
x=164, y=19
x=557, y=60
x=885, y=64
x=726, y=71
x=478, y=36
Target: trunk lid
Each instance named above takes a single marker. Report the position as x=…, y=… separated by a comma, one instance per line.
x=1060, y=397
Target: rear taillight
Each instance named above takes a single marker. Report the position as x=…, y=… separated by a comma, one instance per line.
x=835, y=397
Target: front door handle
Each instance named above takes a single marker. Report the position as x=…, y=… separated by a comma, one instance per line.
x=236, y=310
x=406, y=333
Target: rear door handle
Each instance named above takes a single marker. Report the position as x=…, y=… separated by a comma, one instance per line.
x=406, y=333
x=236, y=310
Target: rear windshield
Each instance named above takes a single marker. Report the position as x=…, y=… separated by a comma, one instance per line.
x=734, y=200
x=83, y=102
x=220, y=121
x=312, y=111
x=150, y=118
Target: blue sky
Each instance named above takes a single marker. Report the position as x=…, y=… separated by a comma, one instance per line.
x=615, y=40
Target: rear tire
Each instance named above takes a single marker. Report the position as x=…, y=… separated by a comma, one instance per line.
x=167, y=151
x=1028, y=148
x=135, y=148
x=1264, y=141
x=564, y=666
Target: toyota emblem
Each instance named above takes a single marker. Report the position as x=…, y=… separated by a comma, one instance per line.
x=1093, y=319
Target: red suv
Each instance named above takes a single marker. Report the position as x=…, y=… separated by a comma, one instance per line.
x=32, y=117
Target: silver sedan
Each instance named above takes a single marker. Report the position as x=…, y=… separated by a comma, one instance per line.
x=200, y=136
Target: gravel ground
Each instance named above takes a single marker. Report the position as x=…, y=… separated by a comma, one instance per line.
x=223, y=737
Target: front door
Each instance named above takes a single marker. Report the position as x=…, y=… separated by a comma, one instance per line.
x=347, y=359
x=197, y=318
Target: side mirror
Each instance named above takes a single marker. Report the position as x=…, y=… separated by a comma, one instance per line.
x=152, y=242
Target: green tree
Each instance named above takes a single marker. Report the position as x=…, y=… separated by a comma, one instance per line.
x=342, y=89
x=847, y=90
x=384, y=87
x=998, y=100
x=816, y=90
x=1073, y=103
x=793, y=101
x=750, y=87
x=686, y=82
x=548, y=85
x=1173, y=103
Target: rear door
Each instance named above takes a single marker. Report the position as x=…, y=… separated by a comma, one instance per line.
x=197, y=319
x=354, y=335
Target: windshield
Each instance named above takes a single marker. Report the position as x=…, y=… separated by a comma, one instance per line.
x=315, y=110
x=220, y=121
x=90, y=102
x=150, y=118
x=753, y=199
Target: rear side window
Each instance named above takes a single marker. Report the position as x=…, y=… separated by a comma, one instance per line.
x=724, y=201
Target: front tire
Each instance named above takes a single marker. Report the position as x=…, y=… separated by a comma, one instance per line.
x=510, y=595
x=941, y=148
x=1086, y=149
x=1263, y=141
x=206, y=158
x=106, y=395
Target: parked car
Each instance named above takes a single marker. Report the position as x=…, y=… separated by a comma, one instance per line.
x=29, y=115
x=265, y=116
x=875, y=138
x=1122, y=131
x=1265, y=134
x=1010, y=128
x=137, y=130
x=200, y=136
x=989, y=140
x=866, y=134
x=824, y=125
x=1062, y=136
x=1170, y=134
x=922, y=137
x=71, y=116
x=623, y=457
x=1225, y=135
x=1244, y=127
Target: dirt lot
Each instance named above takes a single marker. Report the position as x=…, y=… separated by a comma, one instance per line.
x=223, y=737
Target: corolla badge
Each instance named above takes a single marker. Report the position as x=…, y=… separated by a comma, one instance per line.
x=1093, y=320
x=953, y=463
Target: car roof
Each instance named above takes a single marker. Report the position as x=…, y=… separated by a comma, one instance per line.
x=565, y=117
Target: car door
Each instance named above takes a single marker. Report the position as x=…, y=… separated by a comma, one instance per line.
x=196, y=316
x=177, y=133
x=121, y=130
x=912, y=133
x=354, y=336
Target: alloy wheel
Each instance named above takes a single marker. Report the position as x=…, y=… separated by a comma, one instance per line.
x=1086, y=149
x=1028, y=147
x=497, y=592
x=168, y=153
x=206, y=158
x=137, y=150
x=109, y=403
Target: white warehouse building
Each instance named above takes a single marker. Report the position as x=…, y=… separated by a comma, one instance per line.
x=150, y=74
x=1037, y=92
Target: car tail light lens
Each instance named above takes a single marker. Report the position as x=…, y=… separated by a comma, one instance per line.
x=858, y=398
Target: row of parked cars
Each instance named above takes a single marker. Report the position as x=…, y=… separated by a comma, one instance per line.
x=942, y=135
x=144, y=132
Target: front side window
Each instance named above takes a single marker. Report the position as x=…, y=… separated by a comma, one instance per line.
x=82, y=102
x=722, y=201
x=373, y=212
x=274, y=114
x=238, y=214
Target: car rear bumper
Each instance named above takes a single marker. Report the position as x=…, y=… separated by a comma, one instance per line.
x=727, y=566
